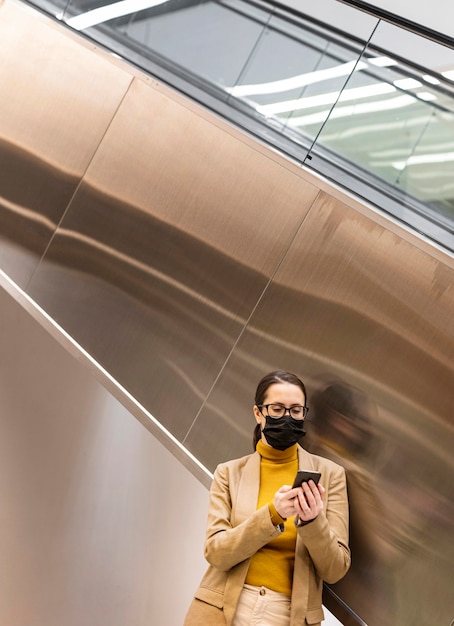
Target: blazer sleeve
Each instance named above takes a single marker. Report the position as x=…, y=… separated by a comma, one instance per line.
x=227, y=545
x=326, y=537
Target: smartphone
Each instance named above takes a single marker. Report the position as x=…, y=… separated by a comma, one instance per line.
x=304, y=476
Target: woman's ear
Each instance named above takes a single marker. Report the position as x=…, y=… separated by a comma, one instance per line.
x=258, y=415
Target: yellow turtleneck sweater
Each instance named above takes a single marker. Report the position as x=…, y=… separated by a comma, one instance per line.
x=272, y=566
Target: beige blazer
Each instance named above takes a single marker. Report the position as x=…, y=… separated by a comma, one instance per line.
x=236, y=530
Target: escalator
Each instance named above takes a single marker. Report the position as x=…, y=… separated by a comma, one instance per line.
x=361, y=101
x=193, y=219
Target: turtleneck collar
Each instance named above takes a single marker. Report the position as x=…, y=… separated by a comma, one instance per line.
x=277, y=456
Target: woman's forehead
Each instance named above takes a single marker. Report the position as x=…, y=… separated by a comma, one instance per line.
x=285, y=392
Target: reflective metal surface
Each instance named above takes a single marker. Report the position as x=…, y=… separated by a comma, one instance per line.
x=82, y=490
x=185, y=279
x=189, y=260
x=57, y=100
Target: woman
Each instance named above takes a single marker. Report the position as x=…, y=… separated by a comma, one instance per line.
x=271, y=546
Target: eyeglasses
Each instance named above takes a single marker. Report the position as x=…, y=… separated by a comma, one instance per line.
x=296, y=411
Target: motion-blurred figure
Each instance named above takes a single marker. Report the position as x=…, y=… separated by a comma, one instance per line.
x=342, y=423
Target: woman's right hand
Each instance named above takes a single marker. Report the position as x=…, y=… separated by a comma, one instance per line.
x=284, y=501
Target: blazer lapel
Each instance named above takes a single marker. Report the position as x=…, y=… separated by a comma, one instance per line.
x=248, y=490
x=304, y=459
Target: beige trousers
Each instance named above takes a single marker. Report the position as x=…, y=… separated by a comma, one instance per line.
x=260, y=606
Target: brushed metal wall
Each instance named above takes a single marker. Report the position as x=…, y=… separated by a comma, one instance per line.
x=205, y=234
x=52, y=90
x=89, y=534
x=189, y=260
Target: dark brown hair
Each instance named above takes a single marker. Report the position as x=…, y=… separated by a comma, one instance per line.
x=278, y=376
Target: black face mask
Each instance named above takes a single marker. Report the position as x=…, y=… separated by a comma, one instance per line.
x=283, y=432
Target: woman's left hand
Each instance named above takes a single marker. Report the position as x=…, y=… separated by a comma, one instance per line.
x=309, y=501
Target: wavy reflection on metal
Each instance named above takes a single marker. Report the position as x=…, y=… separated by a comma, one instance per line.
x=188, y=260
